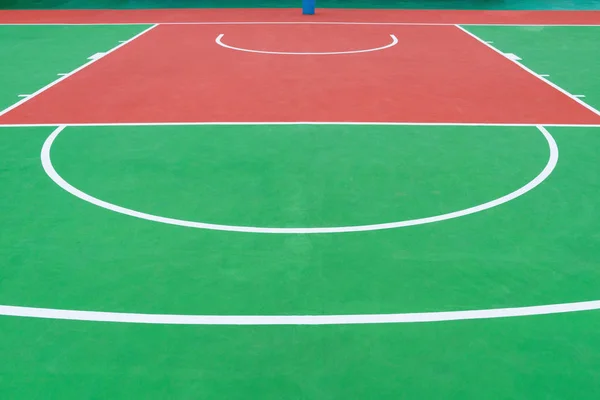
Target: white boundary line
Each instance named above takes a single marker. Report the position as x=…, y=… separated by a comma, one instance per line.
x=63, y=77
x=52, y=174
x=387, y=46
x=175, y=319
x=563, y=91
x=302, y=23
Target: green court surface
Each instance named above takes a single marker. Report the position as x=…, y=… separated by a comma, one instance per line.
x=568, y=54
x=88, y=250
x=38, y=53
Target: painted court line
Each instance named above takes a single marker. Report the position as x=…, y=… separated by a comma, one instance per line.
x=98, y=55
x=563, y=91
x=175, y=319
x=219, y=41
x=512, y=56
x=63, y=77
x=53, y=174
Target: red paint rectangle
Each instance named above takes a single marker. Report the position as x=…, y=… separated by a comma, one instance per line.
x=178, y=73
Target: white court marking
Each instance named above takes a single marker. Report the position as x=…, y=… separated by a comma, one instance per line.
x=175, y=319
x=511, y=56
x=220, y=43
x=97, y=56
x=51, y=172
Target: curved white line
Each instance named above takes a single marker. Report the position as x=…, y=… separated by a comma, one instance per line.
x=175, y=319
x=49, y=169
x=220, y=43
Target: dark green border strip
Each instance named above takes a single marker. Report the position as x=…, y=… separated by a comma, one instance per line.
x=383, y=4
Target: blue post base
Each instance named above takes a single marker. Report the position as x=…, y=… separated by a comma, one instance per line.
x=308, y=7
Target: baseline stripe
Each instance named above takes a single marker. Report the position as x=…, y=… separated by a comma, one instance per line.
x=175, y=319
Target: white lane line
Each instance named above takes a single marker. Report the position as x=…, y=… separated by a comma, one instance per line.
x=579, y=95
x=23, y=95
x=63, y=77
x=298, y=123
x=220, y=43
x=563, y=91
x=53, y=174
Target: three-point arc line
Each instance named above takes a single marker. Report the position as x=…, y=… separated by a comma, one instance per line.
x=54, y=175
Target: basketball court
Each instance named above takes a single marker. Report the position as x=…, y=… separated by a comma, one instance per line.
x=256, y=204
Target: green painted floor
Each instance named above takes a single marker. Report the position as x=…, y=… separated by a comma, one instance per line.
x=537, y=249
x=568, y=54
x=39, y=53
x=385, y=4
x=60, y=252
x=548, y=357
x=305, y=175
